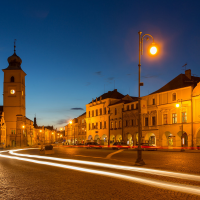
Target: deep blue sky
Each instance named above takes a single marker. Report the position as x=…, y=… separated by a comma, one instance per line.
x=73, y=51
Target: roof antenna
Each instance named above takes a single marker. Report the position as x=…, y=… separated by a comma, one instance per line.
x=14, y=45
x=185, y=66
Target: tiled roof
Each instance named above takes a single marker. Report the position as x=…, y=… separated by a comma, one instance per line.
x=82, y=114
x=179, y=82
x=110, y=94
x=125, y=101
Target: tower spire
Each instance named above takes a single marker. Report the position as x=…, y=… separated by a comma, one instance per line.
x=14, y=45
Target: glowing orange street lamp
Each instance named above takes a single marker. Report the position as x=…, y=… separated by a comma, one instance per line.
x=153, y=51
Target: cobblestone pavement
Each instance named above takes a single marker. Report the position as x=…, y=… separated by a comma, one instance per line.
x=24, y=180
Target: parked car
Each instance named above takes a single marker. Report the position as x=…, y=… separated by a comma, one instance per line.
x=148, y=147
x=94, y=145
x=120, y=145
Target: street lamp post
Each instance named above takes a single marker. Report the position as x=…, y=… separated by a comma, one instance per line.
x=177, y=105
x=153, y=51
x=71, y=129
x=21, y=135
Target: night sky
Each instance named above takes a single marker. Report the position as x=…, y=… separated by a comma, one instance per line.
x=73, y=51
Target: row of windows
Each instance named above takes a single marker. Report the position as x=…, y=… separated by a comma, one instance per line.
x=174, y=118
x=173, y=99
x=98, y=112
x=115, y=125
x=131, y=107
x=95, y=126
x=165, y=119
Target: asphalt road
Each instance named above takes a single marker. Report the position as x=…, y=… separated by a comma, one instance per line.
x=53, y=179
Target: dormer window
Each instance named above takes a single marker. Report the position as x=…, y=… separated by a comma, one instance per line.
x=174, y=97
x=12, y=79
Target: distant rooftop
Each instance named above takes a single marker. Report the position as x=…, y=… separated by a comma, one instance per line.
x=110, y=94
x=182, y=80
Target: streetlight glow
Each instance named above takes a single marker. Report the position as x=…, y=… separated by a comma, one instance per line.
x=177, y=105
x=153, y=50
x=23, y=126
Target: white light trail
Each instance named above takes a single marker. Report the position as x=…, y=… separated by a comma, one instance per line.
x=152, y=183
x=121, y=167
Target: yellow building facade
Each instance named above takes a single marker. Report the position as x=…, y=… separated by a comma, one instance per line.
x=170, y=115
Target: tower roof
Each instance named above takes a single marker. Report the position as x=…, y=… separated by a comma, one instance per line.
x=14, y=61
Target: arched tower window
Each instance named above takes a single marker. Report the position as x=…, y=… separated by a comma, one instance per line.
x=12, y=79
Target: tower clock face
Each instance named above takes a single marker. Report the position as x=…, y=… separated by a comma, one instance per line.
x=12, y=91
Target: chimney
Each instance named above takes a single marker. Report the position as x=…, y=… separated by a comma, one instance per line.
x=188, y=73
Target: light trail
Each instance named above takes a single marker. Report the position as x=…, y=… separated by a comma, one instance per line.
x=113, y=166
x=153, y=183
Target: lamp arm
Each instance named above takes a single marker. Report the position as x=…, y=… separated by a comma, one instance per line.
x=142, y=41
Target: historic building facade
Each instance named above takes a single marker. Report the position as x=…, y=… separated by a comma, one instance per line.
x=75, y=132
x=15, y=128
x=170, y=116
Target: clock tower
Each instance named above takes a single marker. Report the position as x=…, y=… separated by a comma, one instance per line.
x=14, y=101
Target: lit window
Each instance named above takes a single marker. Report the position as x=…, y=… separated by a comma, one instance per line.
x=22, y=93
x=12, y=91
x=174, y=118
x=111, y=125
x=184, y=117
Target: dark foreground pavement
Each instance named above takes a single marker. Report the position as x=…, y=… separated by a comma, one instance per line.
x=25, y=180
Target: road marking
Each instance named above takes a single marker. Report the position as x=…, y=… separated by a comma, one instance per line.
x=153, y=183
x=111, y=154
x=88, y=156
